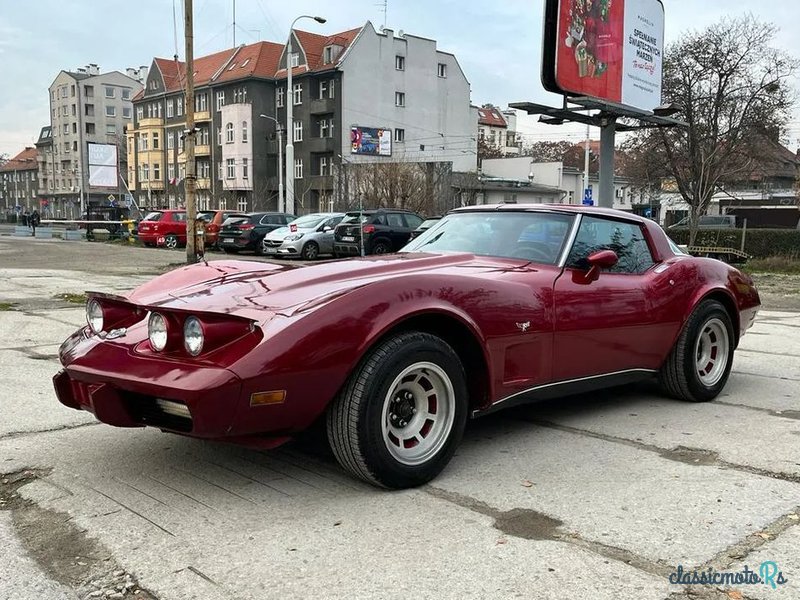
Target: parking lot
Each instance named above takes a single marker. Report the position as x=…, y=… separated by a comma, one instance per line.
x=594, y=496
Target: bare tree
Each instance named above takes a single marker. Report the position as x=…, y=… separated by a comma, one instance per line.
x=572, y=155
x=732, y=85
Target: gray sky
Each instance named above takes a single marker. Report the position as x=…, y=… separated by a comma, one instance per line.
x=497, y=43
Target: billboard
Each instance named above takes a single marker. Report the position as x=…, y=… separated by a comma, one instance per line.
x=610, y=50
x=371, y=141
x=102, y=165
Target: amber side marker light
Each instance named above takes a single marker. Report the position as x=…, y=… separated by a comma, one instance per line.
x=262, y=398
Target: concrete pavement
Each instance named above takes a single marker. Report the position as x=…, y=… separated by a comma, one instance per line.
x=597, y=496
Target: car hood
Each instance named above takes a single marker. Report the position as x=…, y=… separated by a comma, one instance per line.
x=282, y=232
x=257, y=290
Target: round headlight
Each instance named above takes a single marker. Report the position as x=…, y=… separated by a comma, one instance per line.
x=157, y=331
x=94, y=315
x=193, y=336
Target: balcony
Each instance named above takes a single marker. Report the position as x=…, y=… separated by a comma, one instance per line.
x=203, y=115
x=323, y=106
x=150, y=122
x=202, y=150
x=203, y=183
x=320, y=145
x=153, y=185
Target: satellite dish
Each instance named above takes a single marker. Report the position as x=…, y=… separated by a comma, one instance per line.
x=400, y=33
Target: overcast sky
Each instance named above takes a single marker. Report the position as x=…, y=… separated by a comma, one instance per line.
x=497, y=43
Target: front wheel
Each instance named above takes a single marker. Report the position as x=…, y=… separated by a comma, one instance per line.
x=700, y=363
x=310, y=251
x=171, y=241
x=402, y=413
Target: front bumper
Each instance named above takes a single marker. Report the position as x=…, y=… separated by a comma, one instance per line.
x=284, y=248
x=124, y=389
x=348, y=248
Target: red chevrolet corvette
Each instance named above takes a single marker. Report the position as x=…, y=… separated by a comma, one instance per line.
x=491, y=307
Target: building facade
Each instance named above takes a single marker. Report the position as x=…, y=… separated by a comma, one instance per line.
x=356, y=80
x=498, y=129
x=87, y=106
x=19, y=183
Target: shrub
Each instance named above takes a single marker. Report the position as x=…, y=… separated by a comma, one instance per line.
x=759, y=243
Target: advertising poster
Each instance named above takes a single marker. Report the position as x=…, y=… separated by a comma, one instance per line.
x=611, y=50
x=102, y=165
x=371, y=141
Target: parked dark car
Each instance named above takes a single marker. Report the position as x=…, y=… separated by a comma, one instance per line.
x=424, y=226
x=246, y=232
x=384, y=230
x=214, y=224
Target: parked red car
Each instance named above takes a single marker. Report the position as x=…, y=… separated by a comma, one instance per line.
x=163, y=228
x=489, y=308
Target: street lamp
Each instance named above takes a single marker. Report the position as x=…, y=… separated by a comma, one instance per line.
x=281, y=205
x=290, y=117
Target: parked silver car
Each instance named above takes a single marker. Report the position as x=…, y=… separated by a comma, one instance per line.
x=308, y=237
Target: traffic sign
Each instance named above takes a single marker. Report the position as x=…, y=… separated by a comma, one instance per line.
x=587, y=197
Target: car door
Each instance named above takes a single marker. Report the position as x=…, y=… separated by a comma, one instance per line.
x=325, y=238
x=604, y=326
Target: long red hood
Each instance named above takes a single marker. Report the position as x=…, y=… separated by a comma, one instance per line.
x=257, y=290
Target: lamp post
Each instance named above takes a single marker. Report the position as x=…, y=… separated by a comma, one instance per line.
x=281, y=204
x=290, y=117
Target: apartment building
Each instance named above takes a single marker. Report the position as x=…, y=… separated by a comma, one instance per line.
x=87, y=106
x=19, y=182
x=498, y=128
x=353, y=83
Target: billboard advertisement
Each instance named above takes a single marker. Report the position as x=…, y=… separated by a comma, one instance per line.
x=371, y=141
x=102, y=165
x=610, y=50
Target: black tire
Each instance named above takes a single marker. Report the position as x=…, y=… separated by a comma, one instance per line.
x=171, y=241
x=381, y=247
x=679, y=376
x=355, y=418
x=310, y=251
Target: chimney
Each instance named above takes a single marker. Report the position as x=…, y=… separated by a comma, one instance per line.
x=92, y=69
x=143, y=70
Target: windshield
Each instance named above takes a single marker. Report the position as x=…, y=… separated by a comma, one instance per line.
x=309, y=221
x=534, y=236
x=153, y=216
x=353, y=218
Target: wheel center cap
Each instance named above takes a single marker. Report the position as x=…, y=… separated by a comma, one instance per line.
x=402, y=409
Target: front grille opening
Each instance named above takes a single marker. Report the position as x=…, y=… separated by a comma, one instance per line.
x=159, y=412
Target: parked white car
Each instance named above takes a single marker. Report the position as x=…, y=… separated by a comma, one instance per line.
x=306, y=237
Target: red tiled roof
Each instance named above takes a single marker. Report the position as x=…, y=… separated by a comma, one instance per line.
x=24, y=161
x=491, y=117
x=254, y=60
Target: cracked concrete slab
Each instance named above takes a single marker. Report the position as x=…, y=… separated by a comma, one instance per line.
x=785, y=552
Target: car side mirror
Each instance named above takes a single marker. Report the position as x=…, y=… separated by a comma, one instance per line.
x=327, y=228
x=602, y=259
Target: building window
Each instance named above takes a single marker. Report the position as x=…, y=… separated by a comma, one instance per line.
x=156, y=171
x=109, y=91
x=72, y=90
x=298, y=131
x=111, y=111
x=111, y=129
x=126, y=112
x=139, y=113
x=331, y=86
x=90, y=128
x=325, y=165
x=323, y=89
x=66, y=128
x=88, y=110
x=155, y=140
x=170, y=140
x=220, y=170
x=146, y=172
x=170, y=108
x=201, y=102
x=245, y=169
x=400, y=63
x=442, y=70
x=203, y=169
x=298, y=168
x=126, y=93
x=244, y=132
x=88, y=91
x=220, y=99
x=294, y=59
x=181, y=142
x=143, y=145
x=399, y=135
x=399, y=99
x=179, y=106
x=74, y=110
x=229, y=135
x=202, y=137
x=171, y=172
x=231, y=164
x=219, y=136
x=327, y=55
x=297, y=93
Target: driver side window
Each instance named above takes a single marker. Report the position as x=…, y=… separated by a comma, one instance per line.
x=626, y=239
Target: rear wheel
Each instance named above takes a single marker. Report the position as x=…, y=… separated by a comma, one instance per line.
x=402, y=413
x=171, y=241
x=381, y=247
x=310, y=251
x=700, y=363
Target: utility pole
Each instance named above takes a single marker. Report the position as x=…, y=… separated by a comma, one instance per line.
x=586, y=162
x=191, y=208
